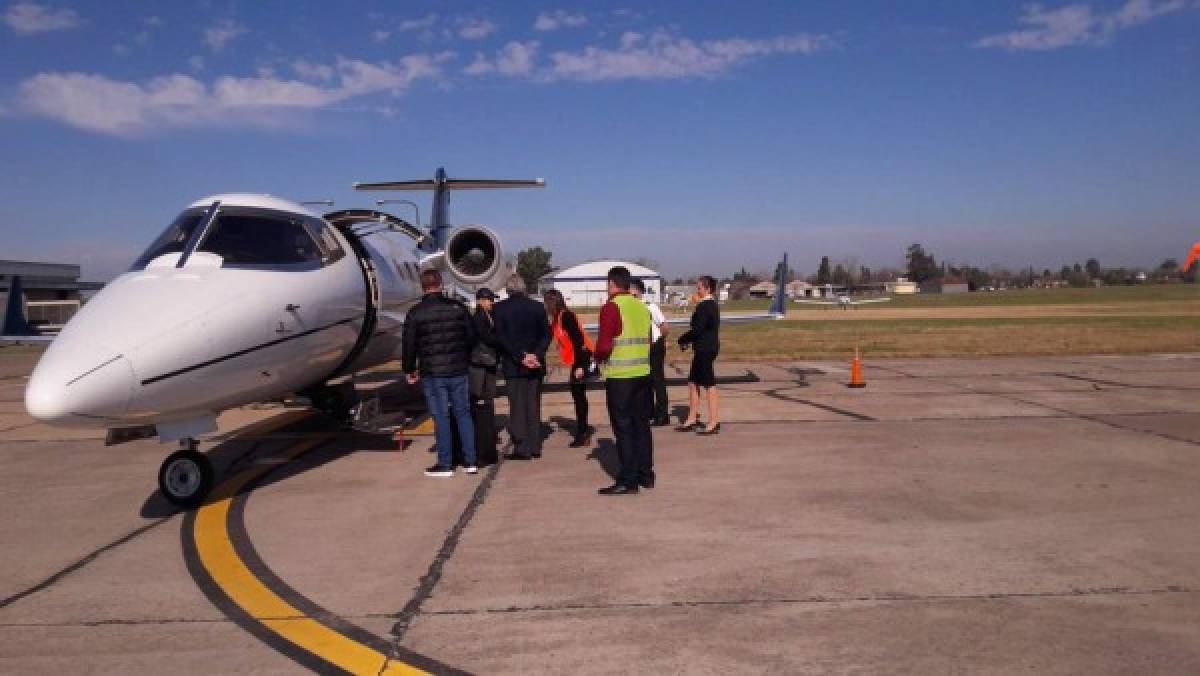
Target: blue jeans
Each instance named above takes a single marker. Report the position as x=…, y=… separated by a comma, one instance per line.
x=445, y=395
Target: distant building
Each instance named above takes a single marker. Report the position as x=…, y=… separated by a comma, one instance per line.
x=45, y=281
x=52, y=291
x=586, y=284
x=901, y=287
x=945, y=285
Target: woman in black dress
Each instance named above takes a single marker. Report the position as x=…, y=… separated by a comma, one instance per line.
x=704, y=339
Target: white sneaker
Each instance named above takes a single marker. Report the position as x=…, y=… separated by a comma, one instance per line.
x=439, y=471
x=471, y=469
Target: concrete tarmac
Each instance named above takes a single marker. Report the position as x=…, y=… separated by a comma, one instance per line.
x=984, y=515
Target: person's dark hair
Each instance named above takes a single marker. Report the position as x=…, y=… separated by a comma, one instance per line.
x=431, y=280
x=638, y=284
x=555, y=303
x=620, y=277
x=708, y=282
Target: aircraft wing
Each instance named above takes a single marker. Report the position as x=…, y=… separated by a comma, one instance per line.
x=817, y=302
x=725, y=319
x=872, y=300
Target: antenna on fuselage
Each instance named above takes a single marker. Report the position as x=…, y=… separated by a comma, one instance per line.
x=441, y=185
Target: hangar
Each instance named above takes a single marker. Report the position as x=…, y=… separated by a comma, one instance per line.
x=586, y=284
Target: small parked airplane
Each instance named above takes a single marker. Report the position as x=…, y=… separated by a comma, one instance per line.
x=843, y=301
x=246, y=298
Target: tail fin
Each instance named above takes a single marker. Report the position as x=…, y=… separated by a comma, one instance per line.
x=779, y=306
x=441, y=185
x=15, y=323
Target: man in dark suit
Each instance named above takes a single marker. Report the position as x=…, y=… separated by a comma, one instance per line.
x=523, y=333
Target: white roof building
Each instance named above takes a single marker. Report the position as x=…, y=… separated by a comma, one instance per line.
x=586, y=284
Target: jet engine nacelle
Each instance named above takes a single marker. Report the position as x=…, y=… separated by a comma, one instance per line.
x=474, y=258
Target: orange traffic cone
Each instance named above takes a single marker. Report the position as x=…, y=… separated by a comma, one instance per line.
x=856, y=376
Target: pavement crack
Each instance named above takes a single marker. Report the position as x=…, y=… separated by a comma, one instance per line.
x=433, y=575
x=81, y=563
x=1073, y=592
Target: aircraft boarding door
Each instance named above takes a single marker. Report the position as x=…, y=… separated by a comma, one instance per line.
x=356, y=225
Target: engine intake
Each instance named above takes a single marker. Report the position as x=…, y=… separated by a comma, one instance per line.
x=474, y=257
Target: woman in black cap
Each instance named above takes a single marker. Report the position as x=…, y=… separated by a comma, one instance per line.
x=482, y=378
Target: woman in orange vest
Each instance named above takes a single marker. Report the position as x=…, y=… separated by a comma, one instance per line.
x=575, y=348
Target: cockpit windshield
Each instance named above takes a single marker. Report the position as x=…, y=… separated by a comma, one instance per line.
x=252, y=239
x=246, y=237
x=174, y=239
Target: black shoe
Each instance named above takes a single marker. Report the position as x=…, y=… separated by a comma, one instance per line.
x=536, y=455
x=707, y=432
x=618, y=489
x=440, y=471
x=647, y=483
x=581, y=441
x=660, y=422
x=690, y=428
x=515, y=456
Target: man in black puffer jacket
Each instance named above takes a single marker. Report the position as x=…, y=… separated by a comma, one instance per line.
x=439, y=335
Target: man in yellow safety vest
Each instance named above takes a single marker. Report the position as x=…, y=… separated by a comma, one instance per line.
x=624, y=343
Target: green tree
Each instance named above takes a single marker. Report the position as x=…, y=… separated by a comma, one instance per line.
x=533, y=264
x=921, y=266
x=823, y=275
x=840, y=276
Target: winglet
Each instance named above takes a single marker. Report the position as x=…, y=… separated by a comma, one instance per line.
x=779, y=305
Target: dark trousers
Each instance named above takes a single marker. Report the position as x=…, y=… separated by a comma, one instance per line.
x=483, y=412
x=629, y=406
x=658, y=379
x=525, y=415
x=579, y=396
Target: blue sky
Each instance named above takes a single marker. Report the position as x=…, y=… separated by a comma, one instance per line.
x=702, y=135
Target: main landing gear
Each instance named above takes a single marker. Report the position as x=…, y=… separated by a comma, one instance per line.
x=186, y=476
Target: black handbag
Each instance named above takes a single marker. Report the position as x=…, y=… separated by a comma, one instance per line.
x=484, y=356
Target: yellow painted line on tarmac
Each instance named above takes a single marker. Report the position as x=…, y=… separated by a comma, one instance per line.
x=230, y=573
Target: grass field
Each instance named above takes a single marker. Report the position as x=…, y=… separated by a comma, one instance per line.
x=1111, y=320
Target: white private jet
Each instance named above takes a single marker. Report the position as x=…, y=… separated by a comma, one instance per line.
x=246, y=298
x=843, y=301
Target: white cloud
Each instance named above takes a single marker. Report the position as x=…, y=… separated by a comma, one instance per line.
x=424, y=23
x=664, y=56
x=1078, y=24
x=552, y=21
x=313, y=71
x=515, y=59
x=196, y=63
x=99, y=104
x=476, y=29
x=27, y=18
x=221, y=34
x=380, y=36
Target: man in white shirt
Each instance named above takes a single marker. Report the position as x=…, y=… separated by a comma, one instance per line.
x=658, y=354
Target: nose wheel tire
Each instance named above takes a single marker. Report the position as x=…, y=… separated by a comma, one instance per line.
x=185, y=478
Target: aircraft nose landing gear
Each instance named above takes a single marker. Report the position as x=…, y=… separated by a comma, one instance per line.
x=186, y=476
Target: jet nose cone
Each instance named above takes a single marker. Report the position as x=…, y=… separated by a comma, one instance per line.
x=79, y=388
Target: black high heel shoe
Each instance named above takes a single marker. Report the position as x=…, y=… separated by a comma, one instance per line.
x=714, y=430
x=690, y=428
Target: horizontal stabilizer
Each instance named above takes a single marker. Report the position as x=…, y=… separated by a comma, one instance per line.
x=454, y=184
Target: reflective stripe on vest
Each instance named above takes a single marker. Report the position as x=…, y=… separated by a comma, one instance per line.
x=631, y=350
